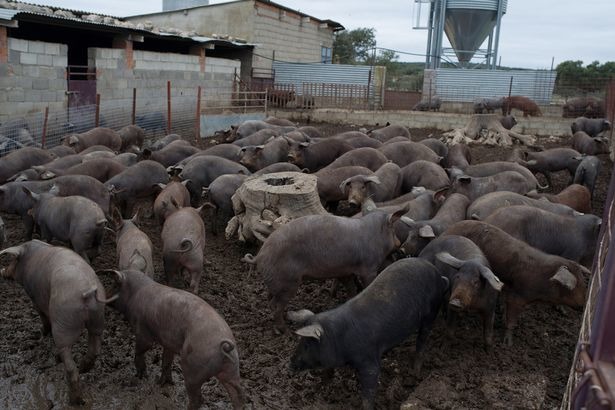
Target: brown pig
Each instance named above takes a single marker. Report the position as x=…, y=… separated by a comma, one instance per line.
x=163, y=206
x=185, y=325
x=134, y=248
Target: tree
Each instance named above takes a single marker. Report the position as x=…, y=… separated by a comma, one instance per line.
x=574, y=79
x=354, y=46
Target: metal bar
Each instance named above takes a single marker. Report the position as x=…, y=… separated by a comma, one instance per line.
x=197, y=126
x=97, y=116
x=497, y=32
x=168, y=107
x=133, y=118
x=45, y=119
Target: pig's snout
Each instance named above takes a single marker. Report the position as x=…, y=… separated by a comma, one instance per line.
x=455, y=304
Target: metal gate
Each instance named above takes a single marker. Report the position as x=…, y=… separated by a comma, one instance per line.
x=81, y=86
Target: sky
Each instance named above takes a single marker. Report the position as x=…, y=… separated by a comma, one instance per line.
x=533, y=32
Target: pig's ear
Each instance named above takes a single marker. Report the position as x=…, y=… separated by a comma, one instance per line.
x=13, y=251
x=449, y=259
x=344, y=185
x=185, y=182
x=426, y=232
x=440, y=194
x=315, y=331
x=31, y=194
x=72, y=140
x=299, y=316
x=160, y=185
x=135, y=217
x=304, y=144
x=491, y=278
x=48, y=174
x=258, y=147
x=564, y=277
x=398, y=214
x=373, y=178
x=175, y=203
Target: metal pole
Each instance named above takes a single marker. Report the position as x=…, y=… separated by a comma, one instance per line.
x=429, y=106
x=134, y=107
x=168, y=107
x=497, y=32
x=97, y=117
x=45, y=118
x=197, y=126
x=508, y=107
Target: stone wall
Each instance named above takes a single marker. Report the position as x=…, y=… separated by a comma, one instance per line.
x=33, y=78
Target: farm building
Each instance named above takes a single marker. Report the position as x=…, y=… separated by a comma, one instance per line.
x=278, y=32
x=59, y=58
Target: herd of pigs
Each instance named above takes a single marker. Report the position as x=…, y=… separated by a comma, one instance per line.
x=430, y=232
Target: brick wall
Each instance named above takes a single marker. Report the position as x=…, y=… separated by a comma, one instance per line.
x=33, y=78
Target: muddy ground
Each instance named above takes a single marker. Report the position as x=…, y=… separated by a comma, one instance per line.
x=457, y=373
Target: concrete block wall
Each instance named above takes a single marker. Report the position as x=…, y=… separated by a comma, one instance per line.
x=33, y=78
x=542, y=126
x=151, y=72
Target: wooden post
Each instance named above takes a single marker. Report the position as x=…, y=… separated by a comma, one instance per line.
x=197, y=126
x=133, y=118
x=508, y=108
x=168, y=107
x=97, y=117
x=45, y=119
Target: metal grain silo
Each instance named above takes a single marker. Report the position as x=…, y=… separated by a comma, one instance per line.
x=467, y=23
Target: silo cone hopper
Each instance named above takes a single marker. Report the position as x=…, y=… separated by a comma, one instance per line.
x=468, y=23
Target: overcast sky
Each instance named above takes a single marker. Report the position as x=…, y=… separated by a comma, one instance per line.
x=532, y=33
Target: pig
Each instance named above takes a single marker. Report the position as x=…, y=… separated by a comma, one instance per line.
x=402, y=199
x=61, y=151
x=297, y=136
x=98, y=155
x=329, y=181
x=529, y=275
x=183, y=324
x=170, y=154
x=416, y=235
x=489, y=203
x=488, y=105
x=436, y=146
x=135, y=183
x=475, y=187
x=575, y=196
x=249, y=127
x=85, y=186
x=459, y=156
x=76, y=220
x=96, y=148
x=259, y=156
x=386, y=133
x=585, y=144
x=433, y=103
x=68, y=297
x=508, y=121
x=282, y=122
x=322, y=247
x=395, y=139
x=14, y=200
x=183, y=244
x=95, y=136
x=589, y=107
x=423, y=207
x=553, y=160
x=310, y=131
x=403, y=299
x=315, y=156
x=101, y=169
x=592, y=126
x=359, y=140
x=132, y=136
x=587, y=172
x=160, y=143
x=423, y=173
x=219, y=193
x=521, y=103
x=126, y=159
x=202, y=171
x=383, y=185
x=573, y=238
x=163, y=206
x=474, y=286
x=228, y=151
x=259, y=137
x=22, y=159
x=134, y=248
x=404, y=153
x=366, y=157
x=152, y=121
x=278, y=167
x=491, y=168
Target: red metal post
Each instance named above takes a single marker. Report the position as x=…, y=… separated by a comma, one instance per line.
x=45, y=119
x=197, y=126
x=168, y=107
x=96, y=119
x=134, y=106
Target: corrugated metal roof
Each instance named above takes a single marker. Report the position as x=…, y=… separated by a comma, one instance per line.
x=466, y=85
x=7, y=14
